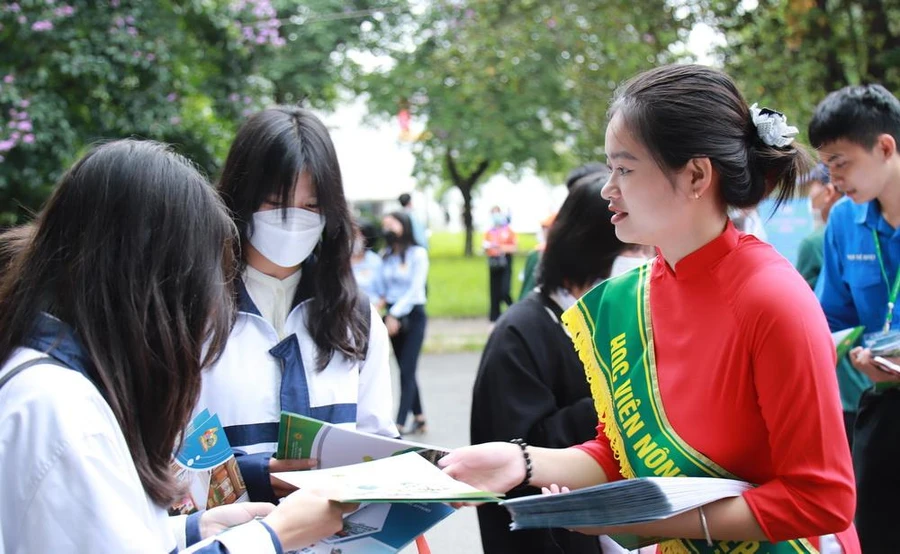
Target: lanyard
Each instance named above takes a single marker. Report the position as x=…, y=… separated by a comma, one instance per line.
x=892, y=292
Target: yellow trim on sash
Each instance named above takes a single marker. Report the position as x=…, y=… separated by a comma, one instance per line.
x=580, y=328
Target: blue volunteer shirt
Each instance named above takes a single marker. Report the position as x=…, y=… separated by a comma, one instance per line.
x=851, y=287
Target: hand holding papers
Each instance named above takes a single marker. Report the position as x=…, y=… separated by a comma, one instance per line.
x=404, y=478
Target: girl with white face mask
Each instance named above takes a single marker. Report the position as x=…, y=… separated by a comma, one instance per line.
x=304, y=339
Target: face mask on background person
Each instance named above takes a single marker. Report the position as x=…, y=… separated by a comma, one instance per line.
x=286, y=242
x=390, y=237
x=625, y=263
x=499, y=219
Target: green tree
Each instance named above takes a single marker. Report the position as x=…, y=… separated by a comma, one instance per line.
x=790, y=53
x=181, y=71
x=504, y=86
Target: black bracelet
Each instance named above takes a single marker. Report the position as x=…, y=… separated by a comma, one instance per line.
x=528, y=468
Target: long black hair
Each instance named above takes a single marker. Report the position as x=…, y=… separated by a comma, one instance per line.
x=404, y=241
x=133, y=252
x=582, y=243
x=269, y=153
x=680, y=112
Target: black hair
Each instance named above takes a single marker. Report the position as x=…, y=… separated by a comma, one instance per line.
x=371, y=234
x=404, y=199
x=405, y=240
x=857, y=114
x=590, y=171
x=681, y=112
x=271, y=149
x=133, y=251
x=582, y=243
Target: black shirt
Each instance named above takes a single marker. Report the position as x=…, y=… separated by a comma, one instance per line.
x=531, y=385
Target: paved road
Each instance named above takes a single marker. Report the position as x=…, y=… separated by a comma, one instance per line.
x=445, y=382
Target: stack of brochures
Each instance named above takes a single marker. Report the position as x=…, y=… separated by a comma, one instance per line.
x=398, y=481
x=206, y=467
x=624, y=502
x=884, y=344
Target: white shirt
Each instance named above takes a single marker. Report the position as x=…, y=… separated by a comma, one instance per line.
x=67, y=478
x=273, y=297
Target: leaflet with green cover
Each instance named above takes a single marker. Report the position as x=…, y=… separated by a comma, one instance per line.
x=410, y=477
x=301, y=437
x=846, y=339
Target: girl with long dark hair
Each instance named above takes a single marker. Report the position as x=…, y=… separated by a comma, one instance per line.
x=305, y=339
x=404, y=273
x=114, y=301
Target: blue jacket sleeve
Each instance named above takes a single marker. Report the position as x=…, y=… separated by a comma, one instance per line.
x=255, y=471
x=831, y=290
x=251, y=537
x=415, y=294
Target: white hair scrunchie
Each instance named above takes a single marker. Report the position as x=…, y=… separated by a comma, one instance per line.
x=772, y=127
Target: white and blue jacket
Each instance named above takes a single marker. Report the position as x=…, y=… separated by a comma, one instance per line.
x=67, y=478
x=259, y=375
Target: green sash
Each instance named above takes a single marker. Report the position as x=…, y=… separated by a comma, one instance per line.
x=611, y=329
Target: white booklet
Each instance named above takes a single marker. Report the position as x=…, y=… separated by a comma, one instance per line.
x=409, y=477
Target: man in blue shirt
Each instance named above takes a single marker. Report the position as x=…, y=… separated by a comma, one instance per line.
x=420, y=234
x=855, y=131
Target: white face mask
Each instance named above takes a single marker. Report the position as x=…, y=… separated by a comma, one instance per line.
x=625, y=263
x=286, y=242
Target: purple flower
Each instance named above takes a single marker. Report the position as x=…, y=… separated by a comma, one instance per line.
x=21, y=116
x=129, y=20
x=64, y=11
x=28, y=139
x=22, y=20
x=24, y=103
x=25, y=126
x=175, y=120
x=151, y=57
x=42, y=25
x=120, y=22
x=172, y=97
x=137, y=54
x=247, y=100
x=132, y=31
x=51, y=2
x=15, y=135
x=14, y=8
x=234, y=97
x=12, y=124
x=7, y=145
x=114, y=3
x=8, y=79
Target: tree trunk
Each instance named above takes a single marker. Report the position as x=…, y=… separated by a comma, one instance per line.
x=465, y=184
x=879, y=40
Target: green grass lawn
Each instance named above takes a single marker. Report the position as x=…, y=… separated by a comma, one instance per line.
x=458, y=286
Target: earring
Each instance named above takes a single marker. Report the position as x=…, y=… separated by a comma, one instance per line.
x=696, y=196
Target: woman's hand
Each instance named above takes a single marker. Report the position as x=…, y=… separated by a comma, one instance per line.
x=304, y=518
x=861, y=359
x=218, y=519
x=494, y=467
x=392, y=324
x=279, y=487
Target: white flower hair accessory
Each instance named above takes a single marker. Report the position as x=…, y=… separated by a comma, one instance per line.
x=772, y=127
